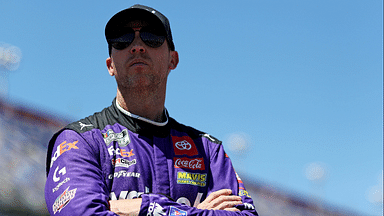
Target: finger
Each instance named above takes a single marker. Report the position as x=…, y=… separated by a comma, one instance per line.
x=224, y=199
x=217, y=194
x=220, y=202
x=227, y=204
x=231, y=209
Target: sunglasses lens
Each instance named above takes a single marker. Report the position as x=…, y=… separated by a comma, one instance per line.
x=123, y=41
x=150, y=36
x=152, y=40
x=120, y=45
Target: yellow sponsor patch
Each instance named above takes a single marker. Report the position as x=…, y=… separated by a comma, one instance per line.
x=197, y=179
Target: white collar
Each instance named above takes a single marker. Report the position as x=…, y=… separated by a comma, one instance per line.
x=142, y=118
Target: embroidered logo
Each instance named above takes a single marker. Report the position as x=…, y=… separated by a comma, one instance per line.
x=173, y=211
x=122, y=152
x=189, y=163
x=63, y=147
x=184, y=146
x=121, y=162
x=63, y=200
x=82, y=125
x=197, y=179
x=155, y=209
x=62, y=171
x=122, y=138
x=60, y=184
x=125, y=174
x=243, y=192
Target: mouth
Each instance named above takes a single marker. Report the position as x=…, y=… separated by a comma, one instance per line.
x=137, y=62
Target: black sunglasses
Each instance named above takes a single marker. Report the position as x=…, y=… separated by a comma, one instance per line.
x=151, y=36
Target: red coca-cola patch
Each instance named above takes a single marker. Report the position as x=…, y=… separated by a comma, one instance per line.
x=189, y=163
x=184, y=146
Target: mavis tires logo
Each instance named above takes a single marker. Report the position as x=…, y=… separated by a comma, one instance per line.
x=122, y=138
x=197, y=179
x=189, y=163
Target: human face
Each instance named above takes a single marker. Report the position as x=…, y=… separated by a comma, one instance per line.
x=139, y=66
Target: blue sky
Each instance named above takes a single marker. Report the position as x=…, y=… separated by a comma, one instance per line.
x=286, y=85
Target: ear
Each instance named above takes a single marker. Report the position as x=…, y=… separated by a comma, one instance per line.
x=174, y=60
x=110, y=66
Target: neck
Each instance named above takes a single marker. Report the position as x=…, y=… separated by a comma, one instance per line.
x=150, y=106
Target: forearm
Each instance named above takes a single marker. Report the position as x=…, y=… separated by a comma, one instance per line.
x=158, y=203
x=126, y=207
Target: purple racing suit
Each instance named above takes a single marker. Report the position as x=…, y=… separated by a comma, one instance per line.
x=110, y=156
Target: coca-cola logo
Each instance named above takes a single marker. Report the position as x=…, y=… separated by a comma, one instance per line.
x=189, y=163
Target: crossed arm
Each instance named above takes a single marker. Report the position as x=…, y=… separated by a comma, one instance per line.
x=218, y=200
x=80, y=189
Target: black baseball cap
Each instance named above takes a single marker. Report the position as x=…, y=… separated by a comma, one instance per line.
x=116, y=25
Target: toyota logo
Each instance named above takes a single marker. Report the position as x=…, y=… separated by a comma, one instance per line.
x=183, y=145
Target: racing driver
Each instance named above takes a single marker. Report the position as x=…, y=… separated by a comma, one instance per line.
x=132, y=158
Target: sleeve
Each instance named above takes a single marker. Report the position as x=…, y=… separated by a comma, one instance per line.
x=75, y=183
x=221, y=169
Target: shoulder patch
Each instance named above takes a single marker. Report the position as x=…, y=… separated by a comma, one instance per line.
x=211, y=138
x=81, y=126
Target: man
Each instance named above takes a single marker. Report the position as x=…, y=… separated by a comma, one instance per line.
x=132, y=158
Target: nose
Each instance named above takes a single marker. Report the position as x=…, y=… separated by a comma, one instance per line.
x=137, y=44
x=137, y=48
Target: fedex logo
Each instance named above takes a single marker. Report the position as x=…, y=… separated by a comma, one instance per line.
x=63, y=147
x=122, y=152
x=184, y=146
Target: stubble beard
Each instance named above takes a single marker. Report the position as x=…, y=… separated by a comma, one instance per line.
x=140, y=84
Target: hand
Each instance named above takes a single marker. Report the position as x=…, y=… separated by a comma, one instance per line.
x=127, y=207
x=221, y=200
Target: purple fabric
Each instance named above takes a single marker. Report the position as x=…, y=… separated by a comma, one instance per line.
x=171, y=173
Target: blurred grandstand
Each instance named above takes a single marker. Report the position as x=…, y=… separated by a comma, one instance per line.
x=24, y=134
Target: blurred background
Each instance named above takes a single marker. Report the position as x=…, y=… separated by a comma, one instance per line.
x=294, y=89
